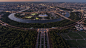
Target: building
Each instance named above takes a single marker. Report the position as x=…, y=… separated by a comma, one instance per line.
x=43, y=15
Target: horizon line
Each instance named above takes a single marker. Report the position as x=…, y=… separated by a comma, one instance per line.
x=34, y=1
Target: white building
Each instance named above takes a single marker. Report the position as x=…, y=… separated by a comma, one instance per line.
x=43, y=15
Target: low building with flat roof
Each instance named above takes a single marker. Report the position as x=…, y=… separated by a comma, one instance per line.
x=43, y=15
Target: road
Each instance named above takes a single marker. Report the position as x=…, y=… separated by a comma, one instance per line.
x=64, y=17
x=42, y=38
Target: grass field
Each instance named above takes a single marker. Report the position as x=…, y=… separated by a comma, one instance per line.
x=83, y=34
x=81, y=43
x=34, y=14
x=65, y=36
x=72, y=43
x=37, y=18
x=75, y=39
x=29, y=17
x=74, y=35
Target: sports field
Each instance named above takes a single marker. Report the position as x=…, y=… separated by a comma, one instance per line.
x=28, y=16
x=34, y=14
x=75, y=39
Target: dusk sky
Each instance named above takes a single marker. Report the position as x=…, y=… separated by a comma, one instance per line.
x=43, y=0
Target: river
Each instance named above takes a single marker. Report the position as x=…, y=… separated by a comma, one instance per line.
x=12, y=17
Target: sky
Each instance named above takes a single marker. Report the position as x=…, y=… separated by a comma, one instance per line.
x=43, y=0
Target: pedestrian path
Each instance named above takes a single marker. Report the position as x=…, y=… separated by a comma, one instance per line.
x=42, y=38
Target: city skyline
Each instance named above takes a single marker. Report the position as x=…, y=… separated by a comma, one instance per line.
x=42, y=1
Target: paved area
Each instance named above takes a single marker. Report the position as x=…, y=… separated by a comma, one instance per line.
x=42, y=39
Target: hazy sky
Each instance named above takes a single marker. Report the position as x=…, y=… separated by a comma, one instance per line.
x=45, y=0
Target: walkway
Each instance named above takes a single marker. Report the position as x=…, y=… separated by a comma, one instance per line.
x=42, y=39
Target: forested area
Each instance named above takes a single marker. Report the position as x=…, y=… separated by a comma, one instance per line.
x=36, y=25
x=75, y=15
x=14, y=38
x=57, y=41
